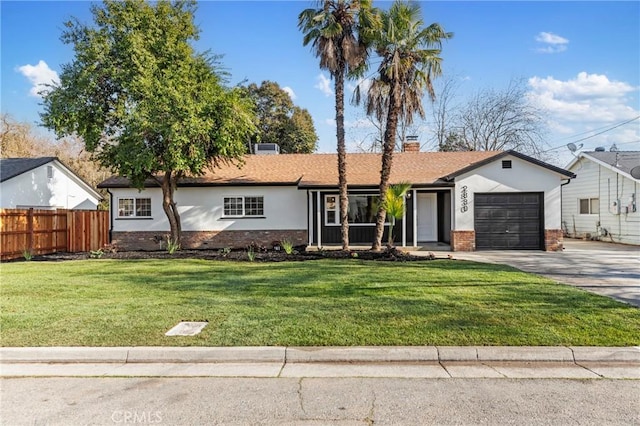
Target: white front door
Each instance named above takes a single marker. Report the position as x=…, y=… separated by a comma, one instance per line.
x=427, y=217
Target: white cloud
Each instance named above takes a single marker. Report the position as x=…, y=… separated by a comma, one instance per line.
x=590, y=97
x=553, y=43
x=324, y=85
x=291, y=93
x=585, y=103
x=551, y=38
x=39, y=75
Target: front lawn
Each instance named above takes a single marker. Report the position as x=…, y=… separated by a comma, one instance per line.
x=325, y=302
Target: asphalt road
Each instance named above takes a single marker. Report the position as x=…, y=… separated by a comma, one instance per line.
x=607, y=269
x=316, y=401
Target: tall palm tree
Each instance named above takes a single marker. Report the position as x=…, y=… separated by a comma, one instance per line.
x=410, y=59
x=337, y=32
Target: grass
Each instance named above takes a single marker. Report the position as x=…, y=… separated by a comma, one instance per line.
x=326, y=302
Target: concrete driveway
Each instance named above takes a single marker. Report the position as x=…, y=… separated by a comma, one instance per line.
x=604, y=268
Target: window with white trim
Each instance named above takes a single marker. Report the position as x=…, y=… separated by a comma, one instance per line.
x=134, y=207
x=589, y=205
x=243, y=206
x=331, y=216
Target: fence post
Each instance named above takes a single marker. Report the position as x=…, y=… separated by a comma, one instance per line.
x=30, y=230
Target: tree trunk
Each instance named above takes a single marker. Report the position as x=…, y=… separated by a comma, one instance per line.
x=342, y=158
x=389, y=145
x=170, y=208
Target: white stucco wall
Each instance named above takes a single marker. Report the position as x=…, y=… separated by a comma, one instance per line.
x=201, y=209
x=596, y=181
x=35, y=189
x=522, y=177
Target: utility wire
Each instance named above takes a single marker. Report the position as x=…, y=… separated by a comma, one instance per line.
x=596, y=134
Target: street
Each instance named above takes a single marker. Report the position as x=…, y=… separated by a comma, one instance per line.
x=345, y=401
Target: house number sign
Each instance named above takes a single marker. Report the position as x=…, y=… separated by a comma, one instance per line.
x=464, y=199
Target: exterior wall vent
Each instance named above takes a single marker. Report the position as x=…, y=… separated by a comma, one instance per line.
x=266, y=148
x=506, y=164
x=49, y=172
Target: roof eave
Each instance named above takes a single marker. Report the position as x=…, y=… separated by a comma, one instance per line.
x=452, y=176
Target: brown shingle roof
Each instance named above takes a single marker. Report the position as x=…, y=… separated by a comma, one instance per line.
x=311, y=170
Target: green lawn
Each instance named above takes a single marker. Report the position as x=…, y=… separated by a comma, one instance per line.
x=325, y=302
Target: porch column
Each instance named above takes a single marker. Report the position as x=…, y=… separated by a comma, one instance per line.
x=319, y=221
x=404, y=222
x=309, y=218
x=415, y=217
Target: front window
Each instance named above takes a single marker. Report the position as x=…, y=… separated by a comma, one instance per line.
x=134, y=207
x=243, y=206
x=363, y=209
x=589, y=205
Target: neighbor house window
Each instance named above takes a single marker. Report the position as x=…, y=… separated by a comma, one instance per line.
x=243, y=206
x=134, y=207
x=589, y=205
x=363, y=209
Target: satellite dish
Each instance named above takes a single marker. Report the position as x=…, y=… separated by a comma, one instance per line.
x=572, y=147
x=635, y=172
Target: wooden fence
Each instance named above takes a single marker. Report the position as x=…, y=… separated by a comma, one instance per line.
x=50, y=231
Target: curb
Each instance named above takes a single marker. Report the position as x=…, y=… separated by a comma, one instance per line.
x=293, y=355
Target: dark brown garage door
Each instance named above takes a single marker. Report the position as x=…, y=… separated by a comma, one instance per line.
x=509, y=221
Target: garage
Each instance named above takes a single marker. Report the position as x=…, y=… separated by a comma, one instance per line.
x=509, y=221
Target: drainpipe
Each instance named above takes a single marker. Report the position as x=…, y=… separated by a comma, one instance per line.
x=561, y=185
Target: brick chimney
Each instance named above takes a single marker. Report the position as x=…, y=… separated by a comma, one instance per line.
x=411, y=144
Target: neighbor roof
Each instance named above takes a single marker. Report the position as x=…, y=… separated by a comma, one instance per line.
x=621, y=160
x=12, y=167
x=320, y=170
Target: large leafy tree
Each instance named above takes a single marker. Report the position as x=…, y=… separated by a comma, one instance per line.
x=337, y=32
x=280, y=121
x=410, y=59
x=146, y=104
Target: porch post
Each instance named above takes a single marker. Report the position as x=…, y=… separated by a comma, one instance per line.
x=404, y=222
x=309, y=218
x=415, y=217
x=318, y=215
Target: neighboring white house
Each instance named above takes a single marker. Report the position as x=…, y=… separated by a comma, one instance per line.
x=602, y=202
x=43, y=183
x=468, y=200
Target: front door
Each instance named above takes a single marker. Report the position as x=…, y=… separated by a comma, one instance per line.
x=427, y=217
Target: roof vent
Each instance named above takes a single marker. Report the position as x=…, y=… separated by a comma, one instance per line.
x=266, y=148
x=600, y=149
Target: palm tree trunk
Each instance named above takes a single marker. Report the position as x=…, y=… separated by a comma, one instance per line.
x=342, y=158
x=389, y=145
x=170, y=208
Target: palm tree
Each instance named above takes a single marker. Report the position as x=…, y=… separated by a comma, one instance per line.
x=337, y=33
x=395, y=205
x=410, y=60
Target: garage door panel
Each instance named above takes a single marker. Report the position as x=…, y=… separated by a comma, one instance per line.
x=508, y=220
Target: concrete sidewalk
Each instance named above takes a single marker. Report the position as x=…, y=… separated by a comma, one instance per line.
x=272, y=362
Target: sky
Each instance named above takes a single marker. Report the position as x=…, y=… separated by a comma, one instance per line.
x=579, y=60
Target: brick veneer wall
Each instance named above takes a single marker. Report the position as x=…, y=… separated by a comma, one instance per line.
x=553, y=239
x=207, y=239
x=463, y=240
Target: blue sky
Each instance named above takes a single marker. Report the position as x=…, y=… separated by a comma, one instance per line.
x=580, y=60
